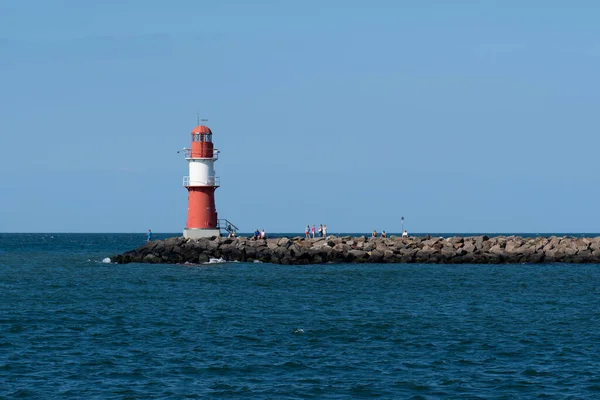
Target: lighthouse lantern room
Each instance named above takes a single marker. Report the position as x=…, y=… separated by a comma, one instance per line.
x=201, y=184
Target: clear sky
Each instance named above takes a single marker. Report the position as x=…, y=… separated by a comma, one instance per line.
x=461, y=116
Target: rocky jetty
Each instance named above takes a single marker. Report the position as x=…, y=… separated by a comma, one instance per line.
x=453, y=250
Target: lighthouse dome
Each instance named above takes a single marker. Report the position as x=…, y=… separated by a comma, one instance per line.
x=201, y=129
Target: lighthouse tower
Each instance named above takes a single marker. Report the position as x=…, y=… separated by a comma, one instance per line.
x=201, y=184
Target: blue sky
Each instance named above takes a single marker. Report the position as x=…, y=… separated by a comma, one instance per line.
x=462, y=116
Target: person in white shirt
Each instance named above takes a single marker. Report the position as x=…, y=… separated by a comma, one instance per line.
x=405, y=234
x=324, y=230
x=262, y=234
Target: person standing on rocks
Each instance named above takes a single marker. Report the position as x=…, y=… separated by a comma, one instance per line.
x=313, y=231
x=383, y=234
x=374, y=234
x=405, y=234
x=320, y=230
x=263, y=235
x=324, y=230
x=307, y=232
x=149, y=235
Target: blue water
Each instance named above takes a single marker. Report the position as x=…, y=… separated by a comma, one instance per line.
x=74, y=327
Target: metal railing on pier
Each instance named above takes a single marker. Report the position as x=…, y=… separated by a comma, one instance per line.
x=226, y=227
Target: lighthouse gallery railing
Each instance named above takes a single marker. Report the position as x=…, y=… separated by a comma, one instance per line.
x=212, y=181
x=188, y=154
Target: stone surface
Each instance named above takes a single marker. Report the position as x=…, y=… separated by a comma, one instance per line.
x=300, y=251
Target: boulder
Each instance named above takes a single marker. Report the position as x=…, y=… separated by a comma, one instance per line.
x=376, y=256
x=356, y=256
x=497, y=249
x=469, y=247
x=151, y=258
x=447, y=254
x=283, y=242
x=423, y=255
x=389, y=256
x=456, y=240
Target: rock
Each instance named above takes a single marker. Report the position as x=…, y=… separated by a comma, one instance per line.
x=512, y=245
x=430, y=242
x=496, y=249
x=287, y=260
x=283, y=242
x=356, y=256
x=369, y=246
x=469, y=247
x=581, y=245
x=490, y=258
x=212, y=245
x=569, y=251
x=456, y=240
x=389, y=256
x=281, y=253
x=376, y=256
x=381, y=247
x=584, y=255
x=151, y=258
x=534, y=258
x=341, y=248
x=554, y=255
x=447, y=254
x=423, y=255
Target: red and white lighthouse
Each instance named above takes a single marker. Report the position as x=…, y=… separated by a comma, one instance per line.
x=201, y=184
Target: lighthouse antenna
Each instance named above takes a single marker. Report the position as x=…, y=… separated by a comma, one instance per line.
x=198, y=120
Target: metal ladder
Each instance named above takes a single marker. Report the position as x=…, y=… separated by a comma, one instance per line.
x=226, y=227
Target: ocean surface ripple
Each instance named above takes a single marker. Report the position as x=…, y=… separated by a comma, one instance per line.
x=72, y=326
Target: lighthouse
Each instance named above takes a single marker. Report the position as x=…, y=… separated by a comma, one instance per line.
x=201, y=184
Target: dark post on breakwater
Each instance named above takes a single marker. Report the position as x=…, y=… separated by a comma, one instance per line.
x=297, y=250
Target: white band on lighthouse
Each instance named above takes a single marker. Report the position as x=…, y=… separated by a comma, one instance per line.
x=202, y=172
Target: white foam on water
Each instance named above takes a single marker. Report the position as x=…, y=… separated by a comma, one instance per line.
x=257, y=262
x=215, y=261
x=218, y=261
x=106, y=260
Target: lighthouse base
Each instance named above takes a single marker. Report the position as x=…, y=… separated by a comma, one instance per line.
x=197, y=233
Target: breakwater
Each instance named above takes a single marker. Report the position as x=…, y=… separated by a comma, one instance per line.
x=298, y=250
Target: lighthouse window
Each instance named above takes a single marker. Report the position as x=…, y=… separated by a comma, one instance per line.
x=197, y=137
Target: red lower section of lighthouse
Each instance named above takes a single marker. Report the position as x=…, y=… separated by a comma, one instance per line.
x=202, y=212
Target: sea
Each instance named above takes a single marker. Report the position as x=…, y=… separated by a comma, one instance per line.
x=74, y=325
